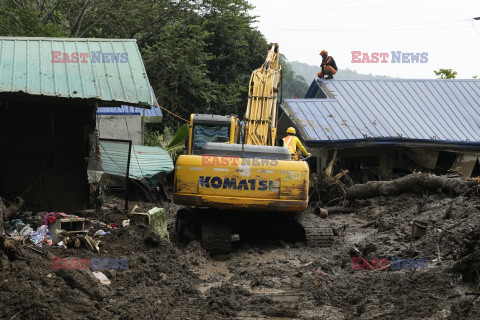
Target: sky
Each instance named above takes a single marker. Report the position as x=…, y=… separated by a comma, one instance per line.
x=443, y=29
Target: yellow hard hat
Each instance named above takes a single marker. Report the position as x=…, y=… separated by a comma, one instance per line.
x=291, y=130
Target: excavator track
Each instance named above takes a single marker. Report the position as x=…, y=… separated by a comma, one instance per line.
x=316, y=233
x=213, y=228
x=206, y=226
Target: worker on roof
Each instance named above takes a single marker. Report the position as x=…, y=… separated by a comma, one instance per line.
x=292, y=142
x=329, y=67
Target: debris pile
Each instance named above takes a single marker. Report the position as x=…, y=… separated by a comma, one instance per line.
x=406, y=248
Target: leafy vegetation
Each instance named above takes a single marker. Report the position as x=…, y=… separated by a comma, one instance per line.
x=445, y=73
x=172, y=143
x=198, y=54
x=292, y=84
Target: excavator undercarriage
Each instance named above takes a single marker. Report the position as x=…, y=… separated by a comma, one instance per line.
x=217, y=230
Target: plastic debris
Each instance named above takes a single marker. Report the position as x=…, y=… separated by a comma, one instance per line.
x=100, y=233
x=101, y=277
x=39, y=235
x=23, y=229
x=49, y=239
x=16, y=228
x=155, y=217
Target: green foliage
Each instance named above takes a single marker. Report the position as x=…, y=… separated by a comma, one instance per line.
x=475, y=77
x=292, y=83
x=178, y=138
x=172, y=143
x=199, y=54
x=445, y=73
x=25, y=21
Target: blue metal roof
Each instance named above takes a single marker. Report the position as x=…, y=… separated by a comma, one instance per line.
x=129, y=110
x=102, y=69
x=390, y=112
x=154, y=111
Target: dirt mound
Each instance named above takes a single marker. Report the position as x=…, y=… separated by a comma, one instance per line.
x=157, y=278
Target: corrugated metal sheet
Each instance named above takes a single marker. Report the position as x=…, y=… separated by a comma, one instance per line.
x=26, y=65
x=129, y=110
x=383, y=111
x=145, y=161
x=154, y=111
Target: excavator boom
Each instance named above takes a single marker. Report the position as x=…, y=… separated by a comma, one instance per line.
x=262, y=110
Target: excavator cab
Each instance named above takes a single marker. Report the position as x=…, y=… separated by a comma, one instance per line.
x=205, y=128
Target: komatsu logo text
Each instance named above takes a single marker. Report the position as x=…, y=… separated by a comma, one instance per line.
x=244, y=184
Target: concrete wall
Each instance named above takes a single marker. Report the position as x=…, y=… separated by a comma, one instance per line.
x=120, y=127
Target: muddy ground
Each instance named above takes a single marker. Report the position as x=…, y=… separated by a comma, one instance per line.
x=268, y=279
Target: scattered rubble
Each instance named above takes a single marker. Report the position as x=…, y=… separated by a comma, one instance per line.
x=434, y=219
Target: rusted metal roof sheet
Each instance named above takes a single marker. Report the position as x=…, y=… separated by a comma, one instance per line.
x=390, y=112
x=109, y=70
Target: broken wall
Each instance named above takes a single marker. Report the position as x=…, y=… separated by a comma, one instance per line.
x=44, y=151
x=123, y=127
x=379, y=162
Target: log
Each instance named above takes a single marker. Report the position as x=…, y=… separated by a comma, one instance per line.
x=338, y=209
x=413, y=183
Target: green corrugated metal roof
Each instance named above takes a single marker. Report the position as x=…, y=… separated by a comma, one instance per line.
x=145, y=161
x=27, y=65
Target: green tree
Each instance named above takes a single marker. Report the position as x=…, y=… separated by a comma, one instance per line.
x=445, y=73
x=237, y=49
x=199, y=54
x=292, y=83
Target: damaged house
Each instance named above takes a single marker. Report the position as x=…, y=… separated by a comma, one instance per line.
x=389, y=126
x=127, y=122
x=50, y=89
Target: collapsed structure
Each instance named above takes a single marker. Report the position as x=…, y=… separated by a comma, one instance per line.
x=49, y=91
x=391, y=125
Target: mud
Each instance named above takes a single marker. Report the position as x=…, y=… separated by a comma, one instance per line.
x=267, y=279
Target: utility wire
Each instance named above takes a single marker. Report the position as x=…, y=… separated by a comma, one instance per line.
x=333, y=6
x=366, y=29
x=474, y=26
x=173, y=114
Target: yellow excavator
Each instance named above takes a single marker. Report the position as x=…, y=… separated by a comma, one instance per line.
x=236, y=183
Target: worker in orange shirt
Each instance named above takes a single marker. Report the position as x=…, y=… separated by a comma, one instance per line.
x=292, y=143
x=329, y=67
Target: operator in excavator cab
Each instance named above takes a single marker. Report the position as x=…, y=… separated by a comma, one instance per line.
x=292, y=142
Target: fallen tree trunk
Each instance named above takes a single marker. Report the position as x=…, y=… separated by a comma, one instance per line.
x=338, y=209
x=413, y=183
